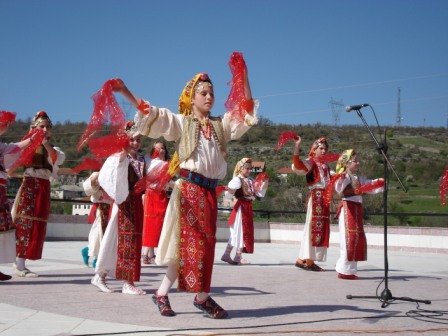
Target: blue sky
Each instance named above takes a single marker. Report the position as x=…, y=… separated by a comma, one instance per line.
x=300, y=55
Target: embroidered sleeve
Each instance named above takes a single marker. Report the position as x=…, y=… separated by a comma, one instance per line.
x=298, y=164
x=234, y=129
x=159, y=122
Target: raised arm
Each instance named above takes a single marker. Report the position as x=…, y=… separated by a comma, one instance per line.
x=25, y=143
x=298, y=164
x=297, y=143
x=131, y=97
x=247, y=90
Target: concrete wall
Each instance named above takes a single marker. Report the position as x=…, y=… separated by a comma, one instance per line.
x=431, y=240
x=413, y=239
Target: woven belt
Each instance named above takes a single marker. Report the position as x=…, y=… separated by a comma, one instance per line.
x=198, y=179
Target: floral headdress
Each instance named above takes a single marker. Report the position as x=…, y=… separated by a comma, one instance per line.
x=345, y=157
x=187, y=93
x=39, y=117
x=240, y=164
x=130, y=128
x=316, y=144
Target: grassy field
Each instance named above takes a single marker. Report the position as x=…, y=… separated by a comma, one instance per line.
x=423, y=199
x=422, y=143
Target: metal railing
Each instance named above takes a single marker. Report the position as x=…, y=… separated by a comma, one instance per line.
x=266, y=213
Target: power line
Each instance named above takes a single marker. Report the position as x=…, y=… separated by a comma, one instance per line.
x=336, y=107
x=443, y=74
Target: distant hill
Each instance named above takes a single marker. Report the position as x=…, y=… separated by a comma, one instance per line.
x=418, y=155
x=418, y=152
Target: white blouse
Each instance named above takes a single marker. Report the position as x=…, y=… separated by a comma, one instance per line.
x=207, y=158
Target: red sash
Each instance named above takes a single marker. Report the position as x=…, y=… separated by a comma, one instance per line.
x=248, y=222
x=320, y=219
x=355, y=237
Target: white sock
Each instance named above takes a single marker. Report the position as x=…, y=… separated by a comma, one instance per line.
x=20, y=263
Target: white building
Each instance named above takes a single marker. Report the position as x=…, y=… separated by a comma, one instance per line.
x=82, y=209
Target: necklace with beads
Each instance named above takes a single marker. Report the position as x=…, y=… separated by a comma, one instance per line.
x=206, y=128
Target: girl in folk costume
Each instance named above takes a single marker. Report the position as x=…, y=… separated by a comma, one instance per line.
x=99, y=212
x=98, y=217
x=122, y=242
x=7, y=227
x=241, y=221
x=353, y=244
x=316, y=233
x=188, y=238
x=155, y=203
x=31, y=208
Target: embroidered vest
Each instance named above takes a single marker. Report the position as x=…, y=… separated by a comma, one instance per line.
x=313, y=176
x=242, y=191
x=40, y=159
x=133, y=176
x=348, y=191
x=350, y=188
x=190, y=136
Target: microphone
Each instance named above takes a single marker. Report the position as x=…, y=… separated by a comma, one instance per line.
x=355, y=107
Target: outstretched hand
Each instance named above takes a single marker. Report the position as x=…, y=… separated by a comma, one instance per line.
x=117, y=85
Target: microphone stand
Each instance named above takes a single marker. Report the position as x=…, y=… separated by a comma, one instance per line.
x=386, y=295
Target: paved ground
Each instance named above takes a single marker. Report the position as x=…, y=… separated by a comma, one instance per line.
x=270, y=296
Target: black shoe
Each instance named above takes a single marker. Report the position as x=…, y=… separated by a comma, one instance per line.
x=163, y=303
x=211, y=308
